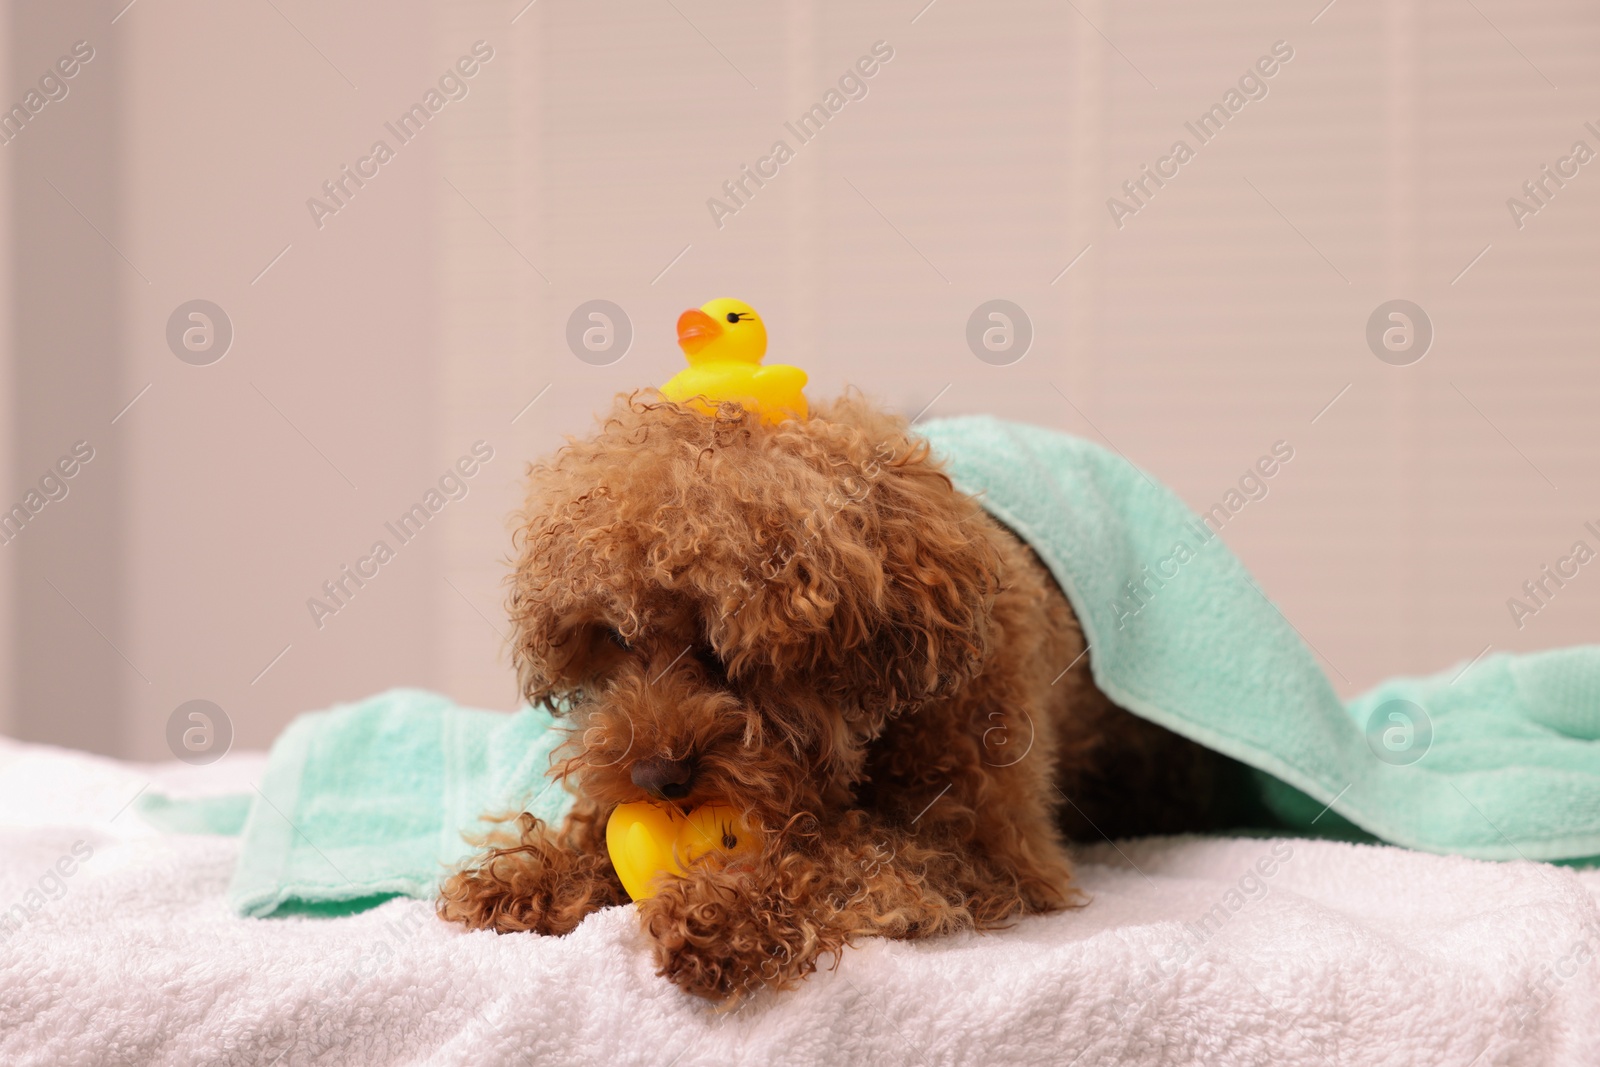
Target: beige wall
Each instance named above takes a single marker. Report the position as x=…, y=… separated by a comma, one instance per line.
x=1220, y=318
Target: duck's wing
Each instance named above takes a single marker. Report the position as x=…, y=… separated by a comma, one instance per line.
x=780, y=389
x=691, y=381
x=781, y=376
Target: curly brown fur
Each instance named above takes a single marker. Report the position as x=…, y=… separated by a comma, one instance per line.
x=843, y=646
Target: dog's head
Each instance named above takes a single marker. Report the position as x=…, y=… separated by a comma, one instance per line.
x=733, y=611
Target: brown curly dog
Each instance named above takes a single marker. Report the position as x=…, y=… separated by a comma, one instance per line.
x=809, y=622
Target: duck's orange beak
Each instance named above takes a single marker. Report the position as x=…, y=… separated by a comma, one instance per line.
x=696, y=329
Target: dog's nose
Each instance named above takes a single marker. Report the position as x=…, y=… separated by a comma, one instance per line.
x=664, y=779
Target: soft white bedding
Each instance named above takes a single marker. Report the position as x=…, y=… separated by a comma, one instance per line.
x=1191, y=953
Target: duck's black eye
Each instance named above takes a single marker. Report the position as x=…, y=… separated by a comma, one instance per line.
x=733, y=316
x=618, y=640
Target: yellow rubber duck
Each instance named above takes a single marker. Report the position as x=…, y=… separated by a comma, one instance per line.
x=725, y=340
x=647, y=840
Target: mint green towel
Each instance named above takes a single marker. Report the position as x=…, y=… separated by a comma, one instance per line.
x=372, y=800
x=1509, y=761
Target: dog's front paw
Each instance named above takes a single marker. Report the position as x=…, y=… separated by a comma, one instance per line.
x=718, y=936
x=537, y=884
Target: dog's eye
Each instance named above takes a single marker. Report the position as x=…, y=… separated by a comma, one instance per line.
x=617, y=639
x=712, y=664
x=560, y=704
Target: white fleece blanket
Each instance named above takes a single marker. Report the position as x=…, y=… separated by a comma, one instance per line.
x=1194, y=951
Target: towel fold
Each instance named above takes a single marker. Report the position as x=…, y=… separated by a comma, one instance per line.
x=1497, y=761
x=376, y=799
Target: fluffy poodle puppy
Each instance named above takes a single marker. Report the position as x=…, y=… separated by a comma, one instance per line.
x=809, y=622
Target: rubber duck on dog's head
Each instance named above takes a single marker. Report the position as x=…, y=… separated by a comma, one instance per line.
x=724, y=340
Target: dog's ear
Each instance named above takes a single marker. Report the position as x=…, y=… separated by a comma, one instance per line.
x=874, y=575
x=560, y=587
x=533, y=604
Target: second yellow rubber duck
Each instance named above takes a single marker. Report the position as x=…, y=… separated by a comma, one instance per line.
x=647, y=840
x=724, y=340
